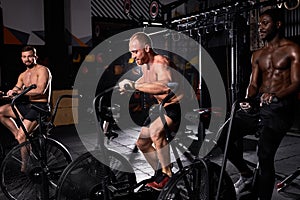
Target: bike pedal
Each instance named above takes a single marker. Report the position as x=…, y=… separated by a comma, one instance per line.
x=112, y=188
x=117, y=192
x=280, y=186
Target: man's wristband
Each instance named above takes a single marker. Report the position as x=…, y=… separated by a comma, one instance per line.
x=17, y=87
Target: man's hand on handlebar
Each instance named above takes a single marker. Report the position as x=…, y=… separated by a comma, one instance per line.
x=11, y=93
x=126, y=85
x=248, y=104
x=245, y=106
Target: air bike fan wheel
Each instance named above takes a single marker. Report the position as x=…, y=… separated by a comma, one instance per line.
x=84, y=178
x=22, y=171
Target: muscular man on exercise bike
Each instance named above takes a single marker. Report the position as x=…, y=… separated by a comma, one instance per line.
x=34, y=74
x=157, y=73
x=274, y=83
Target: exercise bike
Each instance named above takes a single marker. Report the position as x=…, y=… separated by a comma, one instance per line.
x=31, y=169
x=106, y=174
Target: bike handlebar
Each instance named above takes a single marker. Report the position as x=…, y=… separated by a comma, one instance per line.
x=128, y=87
x=172, y=85
x=26, y=90
x=18, y=118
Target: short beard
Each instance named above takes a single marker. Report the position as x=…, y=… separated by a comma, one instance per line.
x=270, y=36
x=31, y=65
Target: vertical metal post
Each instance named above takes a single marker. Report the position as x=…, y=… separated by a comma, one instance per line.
x=200, y=68
x=233, y=63
x=201, y=131
x=1, y=42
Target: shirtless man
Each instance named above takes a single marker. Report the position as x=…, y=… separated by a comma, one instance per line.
x=34, y=74
x=157, y=74
x=274, y=84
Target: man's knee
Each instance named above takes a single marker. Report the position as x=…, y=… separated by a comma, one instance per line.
x=4, y=109
x=139, y=144
x=143, y=144
x=20, y=137
x=1, y=110
x=1, y=116
x=144, y=141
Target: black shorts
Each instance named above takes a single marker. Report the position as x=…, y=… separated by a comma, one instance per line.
x=173, y=111
x=28, y=112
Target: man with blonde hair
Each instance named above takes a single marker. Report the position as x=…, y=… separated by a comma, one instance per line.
x=157, y=73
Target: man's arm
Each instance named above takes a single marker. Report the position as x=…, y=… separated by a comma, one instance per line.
x=17, y=88
x=163, y=77
x=294, y=74
x=252, y=88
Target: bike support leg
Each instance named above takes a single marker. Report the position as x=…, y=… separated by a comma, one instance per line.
x=226, y=149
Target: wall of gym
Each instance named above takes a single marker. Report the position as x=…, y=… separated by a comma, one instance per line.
x=65, y=31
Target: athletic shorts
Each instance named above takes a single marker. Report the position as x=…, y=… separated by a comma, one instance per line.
x=173, y=111
x=29, y=112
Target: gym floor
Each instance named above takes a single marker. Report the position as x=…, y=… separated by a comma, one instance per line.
x=287, y=158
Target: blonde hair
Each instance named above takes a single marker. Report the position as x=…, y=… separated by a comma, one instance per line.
x=143, y=39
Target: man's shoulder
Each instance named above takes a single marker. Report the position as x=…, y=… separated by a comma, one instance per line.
x=161, y=59
x=289, y=43
x=41, y=67
x=258, y=52
x=161, y=56
x=291, y=48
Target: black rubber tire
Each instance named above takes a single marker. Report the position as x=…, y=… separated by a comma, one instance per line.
x=27, y=184
x=202, y=183
x=82, y=179
x=189, y=183
x=227, y=191
x=2, y=154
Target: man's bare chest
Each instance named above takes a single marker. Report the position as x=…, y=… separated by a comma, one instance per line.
x=29, y=77
x=150, y=76
x=273, y=59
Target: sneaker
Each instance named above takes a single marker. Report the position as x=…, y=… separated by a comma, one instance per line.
x=243, y=184
x=160, y=182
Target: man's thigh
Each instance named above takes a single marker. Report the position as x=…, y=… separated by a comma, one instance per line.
x=245, y=123
x=7, y=111
x=268, y=143
x=29, y=125
x=156, y=128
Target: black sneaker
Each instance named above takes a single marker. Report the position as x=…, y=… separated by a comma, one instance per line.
x=243, y=184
